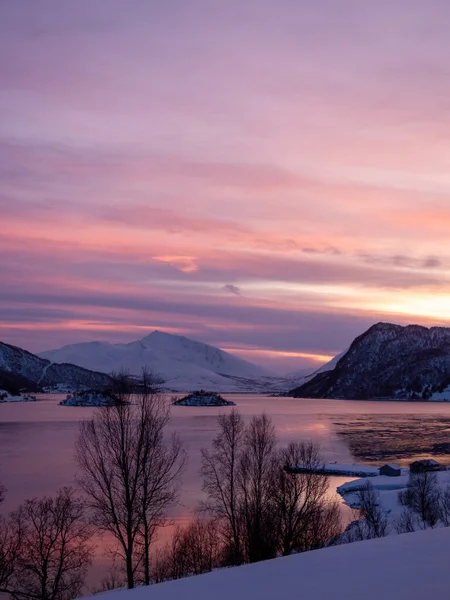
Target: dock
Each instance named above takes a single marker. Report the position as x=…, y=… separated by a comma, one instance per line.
x=337, y=470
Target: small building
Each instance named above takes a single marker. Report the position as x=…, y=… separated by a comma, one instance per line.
x=391, y=470
x=427, y=464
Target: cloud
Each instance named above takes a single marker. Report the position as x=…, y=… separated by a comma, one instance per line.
x=320, y=186
x=234, y=289
x=186, y=264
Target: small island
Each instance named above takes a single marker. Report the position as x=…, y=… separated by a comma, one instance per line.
x=90, y=398
x=6, y=396
x=202, y=398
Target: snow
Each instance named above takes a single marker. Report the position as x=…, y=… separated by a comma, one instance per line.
x=329, y=366
x=380, y=483
x=443, y=396
x=388, y=488
x=410, y=566
x=183, y=363
x=7, y=397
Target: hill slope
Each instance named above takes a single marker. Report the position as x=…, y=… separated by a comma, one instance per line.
x=411, y=566
x=183, y=363
x=387, y=361
x=22, y=369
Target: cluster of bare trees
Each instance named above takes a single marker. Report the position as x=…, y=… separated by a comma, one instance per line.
x=256, y=507
x=261, y=508
x=425, y=503
x=45, y=548
x=193, y=550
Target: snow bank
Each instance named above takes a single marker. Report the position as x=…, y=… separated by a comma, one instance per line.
x=380, y=483
x=7, y=397
x=443, y=396
x=411, y=566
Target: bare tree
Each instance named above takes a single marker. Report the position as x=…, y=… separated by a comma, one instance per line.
x=370, y=510
x=304, y=517
x=162, y=466
x=220, y=470
x=255, y=470
x=324, y=526
x=54, y=551
x=129, y=472
x=408, y=522
x=444, y=505
x=193, y=550
x=9, y=550
x=422, y=497
x=114, y=580
x=10, y=542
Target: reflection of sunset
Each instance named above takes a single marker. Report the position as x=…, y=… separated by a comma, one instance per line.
x=318, y=428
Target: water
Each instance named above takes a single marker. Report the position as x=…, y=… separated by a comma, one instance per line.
x=37, y=439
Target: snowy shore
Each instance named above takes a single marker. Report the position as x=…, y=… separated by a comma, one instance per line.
x=7, y=397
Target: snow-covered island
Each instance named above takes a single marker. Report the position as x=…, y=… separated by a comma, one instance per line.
x=202, y=398
x=89, y=398
x=7, y=397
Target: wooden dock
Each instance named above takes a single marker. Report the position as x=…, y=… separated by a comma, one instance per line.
x=337, y=470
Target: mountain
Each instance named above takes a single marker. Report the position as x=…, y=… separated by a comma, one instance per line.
x=183, y=363
x=387, y=361
x=19, y=369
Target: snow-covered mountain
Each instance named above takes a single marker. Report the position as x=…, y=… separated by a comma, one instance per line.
x=183, y=363
x=20, y=369
x=387, y=361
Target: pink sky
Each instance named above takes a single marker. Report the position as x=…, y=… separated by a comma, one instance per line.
x=271, y=177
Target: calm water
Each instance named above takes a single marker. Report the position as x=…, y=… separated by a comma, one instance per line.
x=37, y=439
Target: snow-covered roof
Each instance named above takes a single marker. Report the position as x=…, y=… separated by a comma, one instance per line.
x=411, y=566
x=392, y=466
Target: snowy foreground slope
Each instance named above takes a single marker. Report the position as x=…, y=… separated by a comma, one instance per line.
x=183, y=363
x=412, y=566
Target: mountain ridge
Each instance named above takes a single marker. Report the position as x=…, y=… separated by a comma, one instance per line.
x=20, y=368
x=183, y=363
x=409, y=362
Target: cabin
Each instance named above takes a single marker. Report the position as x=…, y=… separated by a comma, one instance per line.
x=391, y=470
x=427, y=464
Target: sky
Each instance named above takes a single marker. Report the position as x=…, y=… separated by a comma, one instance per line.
x=268, y=176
